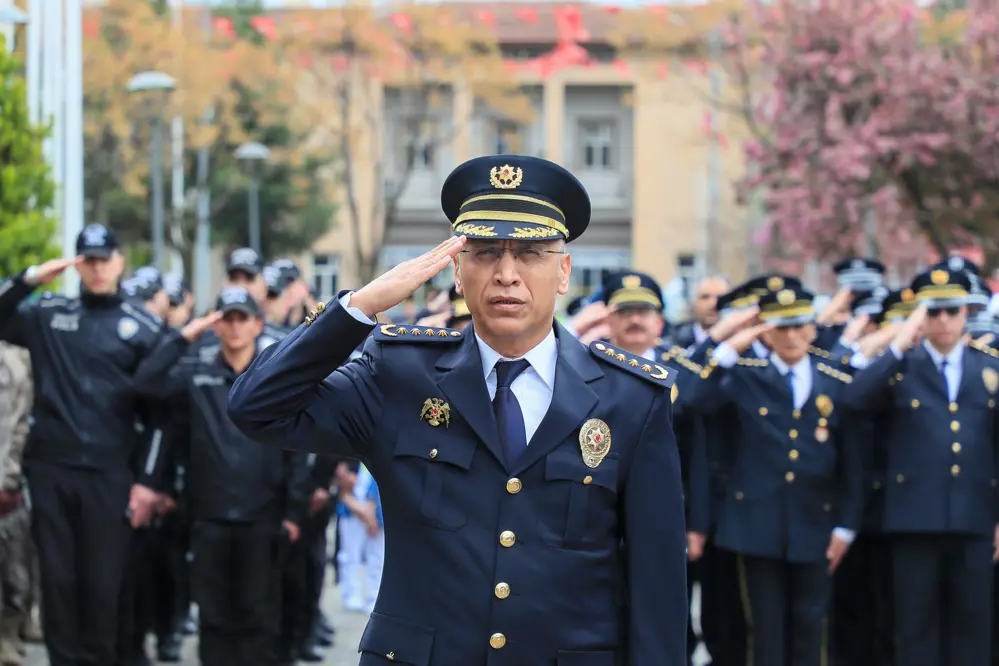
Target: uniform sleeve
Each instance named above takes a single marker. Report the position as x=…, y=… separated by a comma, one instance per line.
x=855, y=433
x=655, y=545
x=159, y=374
x=15, y=318
x=870, y=391
x=698, y=477
x=298, y=486
x=297, y=395
x=154, y=455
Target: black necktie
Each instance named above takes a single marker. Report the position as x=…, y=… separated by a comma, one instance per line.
x=943, y=373
x=789, y=378
x=509, y=417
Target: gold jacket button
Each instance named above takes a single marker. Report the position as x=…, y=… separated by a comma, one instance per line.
x=793, y=434
x=764, y=411
x=433, y=453
x=900, y=478
x=507, y=538
x=497, y=641
x=789, y=477
x=739, y=495
x=587, y=479
x=502, y=590
x=955, y=470
x=320, y=307
x=915, y=404
x=390, y=656
x=952, y=407
x=793, y=455
x=513, y=487
x=955, y=426
x=955, y=447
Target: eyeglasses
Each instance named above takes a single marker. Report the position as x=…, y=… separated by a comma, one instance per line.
x=526, y=255
x=952, y=311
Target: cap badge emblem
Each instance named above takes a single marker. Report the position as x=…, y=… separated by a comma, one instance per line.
x=907, y=295
x=785, y=297
x=506, y=177
x=939, y=277
x=775, y=283
x=631, y=282
x=594, y=442
x=127, y=328
x=435, y=412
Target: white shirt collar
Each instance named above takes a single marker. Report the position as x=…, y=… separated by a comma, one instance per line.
x=699, y=333
x=542, y=358
x=800, y=368
x=954, y=358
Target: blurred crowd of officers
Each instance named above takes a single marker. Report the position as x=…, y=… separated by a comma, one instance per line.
x=126, y=495
x=840, y=466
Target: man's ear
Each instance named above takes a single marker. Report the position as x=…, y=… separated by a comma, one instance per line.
x=565, y=270
x=457, y=276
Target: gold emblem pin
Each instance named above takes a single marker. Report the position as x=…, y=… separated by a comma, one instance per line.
x=939, y=277
x=991, y=380
x=435, y=411
x=594, y=442
x=506, y=177
x=908, y=295
x=821, y=435
x=631, y=282
x=785, y=297
x=825, y=405
x=776, y=283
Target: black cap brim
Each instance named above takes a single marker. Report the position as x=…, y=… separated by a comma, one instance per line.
x=252, y=271
x=97, y=252
x=248, y=310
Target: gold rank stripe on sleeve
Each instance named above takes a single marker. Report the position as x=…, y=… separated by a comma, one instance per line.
x=985, y=349
x=426, y=334
x=753, y=362
x=650, y=371
x=834, y=373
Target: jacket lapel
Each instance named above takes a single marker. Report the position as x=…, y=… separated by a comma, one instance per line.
x=922, y=365
x=967, y=372
x=572, y=399
x=465, y=388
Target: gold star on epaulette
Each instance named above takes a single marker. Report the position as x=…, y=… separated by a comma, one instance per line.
x=753, y=362
x=396, y=333
x=314, y=314
x=834, y=373
x=845, y=359
x=984, y=348
x=636, y=365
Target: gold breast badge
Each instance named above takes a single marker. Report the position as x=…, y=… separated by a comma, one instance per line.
x=435, y=411
x=594, y=442
x=991, y=380
x=825, y=406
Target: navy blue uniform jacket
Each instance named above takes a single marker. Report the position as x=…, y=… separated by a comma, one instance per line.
x=543, y=562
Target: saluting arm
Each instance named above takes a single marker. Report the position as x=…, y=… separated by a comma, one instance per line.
x=13, y=317
x=870, y=389
x=655, y=546
x=298, y=393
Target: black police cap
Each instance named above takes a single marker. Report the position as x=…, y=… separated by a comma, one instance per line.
x=942, y=287
x=898, y=305
x=515, y=197
x=957, y=263
x=246, y=260
x=791, y=306
x=981, y=323
x=96, y=240
x=632, y=290
x=734, y=299
x=237, y=299
x=770, y=283
x=859, y=274
x=869, y=303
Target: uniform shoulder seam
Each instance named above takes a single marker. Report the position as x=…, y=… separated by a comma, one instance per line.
x=395, y=333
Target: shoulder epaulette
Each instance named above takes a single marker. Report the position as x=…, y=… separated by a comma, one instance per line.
x=140, y=315
x=636, y=365
x=49, y=299
x=427, y=334
x=685, y=363
x=675, y=351
x=833, y=372
x=824, y=353
x=753, y=362
x=984, y=348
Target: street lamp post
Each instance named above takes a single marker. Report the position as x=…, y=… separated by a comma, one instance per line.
x=159, y=85
x=253, y=155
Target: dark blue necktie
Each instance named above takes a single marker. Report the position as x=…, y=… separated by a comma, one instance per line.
x=943, y=373
x=789, y=378
x=509, y=417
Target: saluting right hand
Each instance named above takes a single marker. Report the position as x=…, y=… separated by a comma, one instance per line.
x=196, y=327
x=50, y=270
x=729, y=324
x=398, y=284
x=743, y=339
x=910, y=330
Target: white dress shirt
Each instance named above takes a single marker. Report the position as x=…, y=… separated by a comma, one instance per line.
x=954, y=369
x=533, y=387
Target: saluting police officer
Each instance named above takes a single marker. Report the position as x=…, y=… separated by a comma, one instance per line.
x=941, y=509
x=512, y=461
x=84, y=353
x=245, y=499
x=794, y=495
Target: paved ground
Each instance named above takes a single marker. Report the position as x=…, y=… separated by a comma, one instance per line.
x=348, y=632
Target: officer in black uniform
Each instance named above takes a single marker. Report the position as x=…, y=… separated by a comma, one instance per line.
x=940, y=501
x=530, y=487
x=247, y=500
x=84, y=354
x=794, y=495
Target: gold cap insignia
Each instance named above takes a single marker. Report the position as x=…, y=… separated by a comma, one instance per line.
x=506, y=177
x=631, y=282
x=785, y=297
x=775, y=283
x=939, y=277
x=991, y=380
x=908, y=296
x=825, y=405
x=594, y=442
x=435, y=411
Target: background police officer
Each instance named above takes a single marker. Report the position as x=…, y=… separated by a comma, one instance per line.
x=84, y=353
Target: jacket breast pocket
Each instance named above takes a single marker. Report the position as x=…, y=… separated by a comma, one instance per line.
x=578, y=510
x=393, y=640
x=435, y=468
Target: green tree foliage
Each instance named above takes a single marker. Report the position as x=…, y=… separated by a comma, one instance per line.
x=26, y=186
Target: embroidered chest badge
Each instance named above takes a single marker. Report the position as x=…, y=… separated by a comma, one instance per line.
x=825, y=406
x=435, y=412
x=594, y=442
x=991, y=380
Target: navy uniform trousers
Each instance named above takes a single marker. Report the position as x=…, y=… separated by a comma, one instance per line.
x=491, y=561
x=940, y=501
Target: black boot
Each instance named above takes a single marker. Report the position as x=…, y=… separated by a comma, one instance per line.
x=311, y=653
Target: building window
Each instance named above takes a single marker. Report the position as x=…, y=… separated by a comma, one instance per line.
x=689, y=271
x=507, y=138
x=325, y=271
x=420, y=142
x=597, y=144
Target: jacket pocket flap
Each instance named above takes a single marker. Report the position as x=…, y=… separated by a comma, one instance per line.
x=452, y=451
x=566, y=469
x=586, y=658
x=398, y=640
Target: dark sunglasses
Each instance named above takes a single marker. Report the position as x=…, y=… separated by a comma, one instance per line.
x=952, y=311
